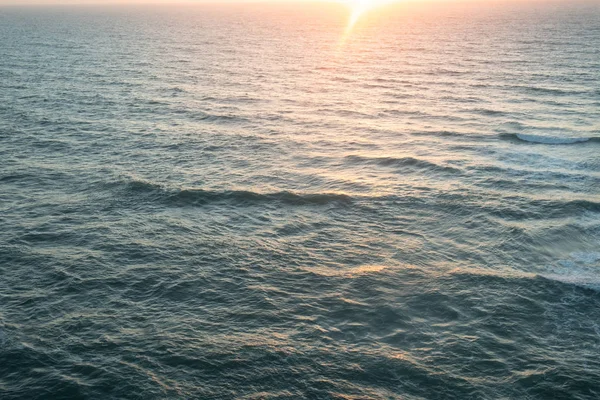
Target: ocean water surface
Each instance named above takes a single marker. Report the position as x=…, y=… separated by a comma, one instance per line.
x=221, y=202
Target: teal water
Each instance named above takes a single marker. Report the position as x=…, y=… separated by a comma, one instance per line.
x=240, y=202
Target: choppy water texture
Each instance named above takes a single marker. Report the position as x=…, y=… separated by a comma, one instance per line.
x=240, y=202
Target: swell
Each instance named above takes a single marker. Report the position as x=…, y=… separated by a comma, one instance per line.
x=15, y=178
x=198, y=197
x=520, y=208
x=538, y=90
x=198, y=115
x=524, y=209
x=400, y=162
x=551, y=140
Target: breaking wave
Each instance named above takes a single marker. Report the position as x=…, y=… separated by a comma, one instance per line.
x=581, y=269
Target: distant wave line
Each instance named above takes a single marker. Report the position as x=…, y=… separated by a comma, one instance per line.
x=544, y=139
x=400, y=162
x=196, y=196
x=180, y=197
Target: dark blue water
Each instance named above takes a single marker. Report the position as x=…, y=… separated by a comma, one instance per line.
x=252, y=202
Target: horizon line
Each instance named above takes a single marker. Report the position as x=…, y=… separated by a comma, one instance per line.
x=28, y=3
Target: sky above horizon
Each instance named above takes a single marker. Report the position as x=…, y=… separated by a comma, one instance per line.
x=77, y=2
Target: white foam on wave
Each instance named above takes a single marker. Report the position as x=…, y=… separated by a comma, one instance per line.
x=587, y=258
x=581, y=269
x=552, y=139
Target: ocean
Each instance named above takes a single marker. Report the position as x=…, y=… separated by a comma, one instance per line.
x=256, y=202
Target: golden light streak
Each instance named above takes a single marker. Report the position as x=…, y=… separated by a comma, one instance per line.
x=357, y=9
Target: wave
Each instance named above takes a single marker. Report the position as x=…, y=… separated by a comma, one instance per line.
x=244, y=196
x=220, y=118
x=399, y=162
x=14, y=178
x=546, y=90
x=197, y=197
x=445, y=133
x=544, y=139
x=197, y=115
x=581, y=269
x=545, y=209
x=140, y=191
x=486, y=111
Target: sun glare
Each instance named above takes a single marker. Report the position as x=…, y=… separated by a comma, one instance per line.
x=359, y=7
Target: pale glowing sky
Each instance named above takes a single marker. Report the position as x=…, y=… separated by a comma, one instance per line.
x=23, y=2
x=142, y=1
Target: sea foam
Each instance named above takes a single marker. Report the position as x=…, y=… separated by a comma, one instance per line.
x=581, y=269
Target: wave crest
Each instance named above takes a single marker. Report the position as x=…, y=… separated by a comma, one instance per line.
x=400, y=162
x=580, y=269
x=200, y=196
x=543, y=139
x=197, y=197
